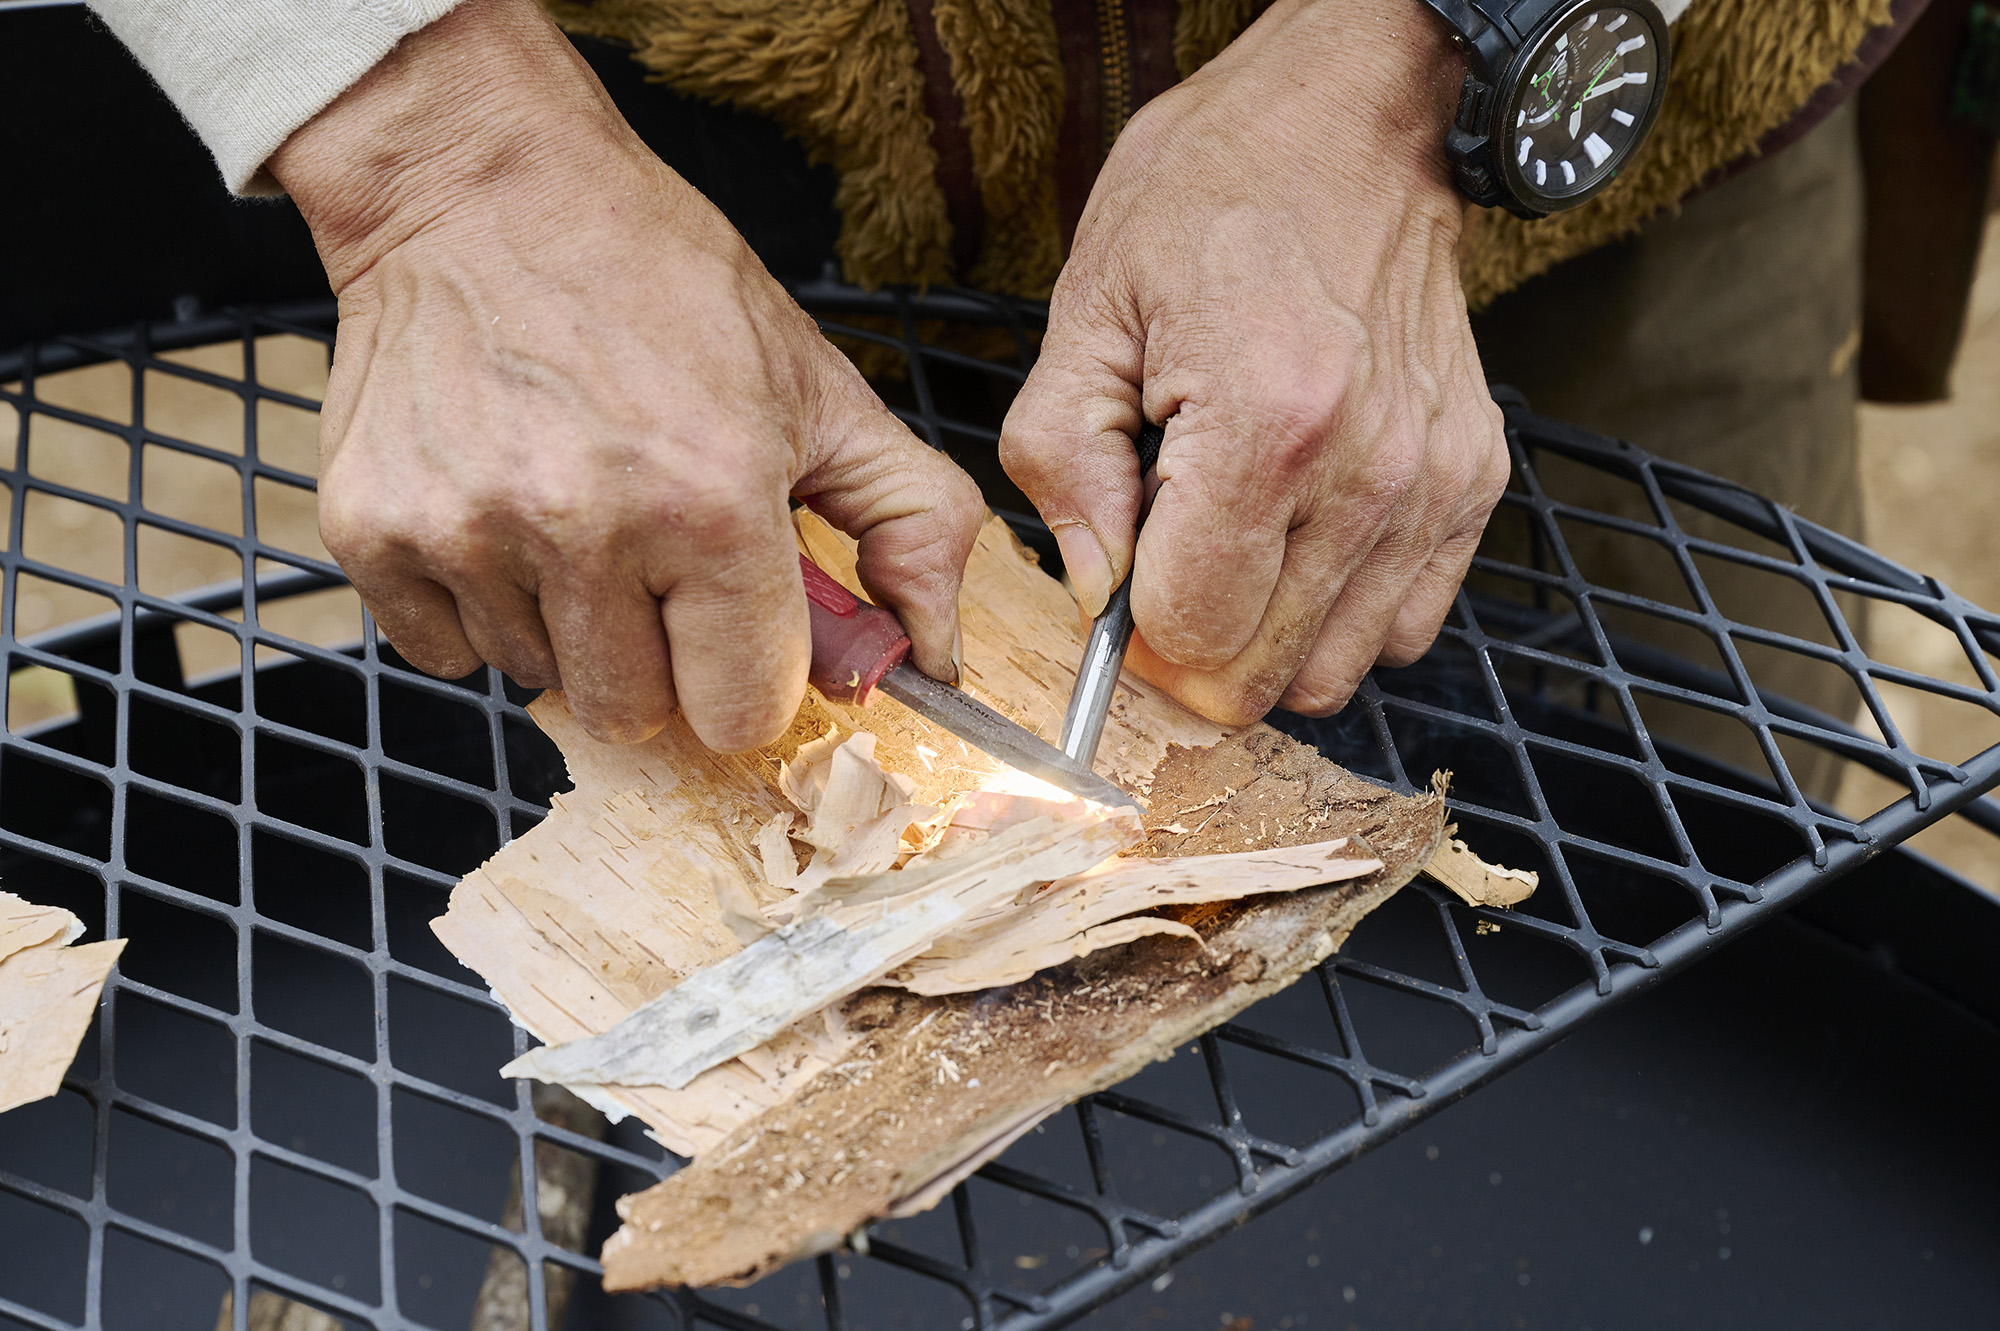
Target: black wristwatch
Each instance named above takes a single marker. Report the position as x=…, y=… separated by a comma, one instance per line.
x=1558, y=95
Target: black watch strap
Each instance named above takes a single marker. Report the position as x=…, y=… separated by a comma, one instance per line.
x=1488, y=33
x=1485, y=42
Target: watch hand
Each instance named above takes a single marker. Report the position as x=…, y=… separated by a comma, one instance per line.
x=1576, y=120
x=1596, y=74
x=1613, y=86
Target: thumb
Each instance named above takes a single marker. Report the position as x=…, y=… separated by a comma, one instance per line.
x=914, y=512
x=1067, y=442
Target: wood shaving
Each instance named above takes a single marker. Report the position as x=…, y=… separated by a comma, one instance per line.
x=774, y=852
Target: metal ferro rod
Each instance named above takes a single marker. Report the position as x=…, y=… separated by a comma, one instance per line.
x=1097, y=677
x=1110, y=635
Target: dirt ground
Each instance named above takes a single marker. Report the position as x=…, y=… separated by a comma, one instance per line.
x=1929, y=481
x=1929, y=476
x=88, y=540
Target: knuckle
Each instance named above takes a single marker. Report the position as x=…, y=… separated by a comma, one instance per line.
x=1024, y=454
x=959, y=503
x=1326, y=682
x=1497, y=468
x=1238, y=712
x=1455, y=492
x=927, y=537
x=1256, y=695
x=1302, y=415
x=1378, y=486
x=726, y=510
x=1192, y=643
x=1229, y=702
x=533, y=678
x=1035, y=445
x=354, y=531
x=619, y=729
x=1313, y=704
x=1183, y=628
x=530, y=667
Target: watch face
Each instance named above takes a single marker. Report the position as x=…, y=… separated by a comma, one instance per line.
x=1578, y=100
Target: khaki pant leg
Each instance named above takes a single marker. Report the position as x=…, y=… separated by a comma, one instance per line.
x=1722, y=337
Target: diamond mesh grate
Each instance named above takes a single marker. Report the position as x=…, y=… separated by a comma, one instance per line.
x=291, y=1088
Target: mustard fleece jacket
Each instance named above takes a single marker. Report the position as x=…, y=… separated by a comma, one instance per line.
x=847, y=78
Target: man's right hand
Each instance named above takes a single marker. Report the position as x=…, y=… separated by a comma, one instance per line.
x=568, y=403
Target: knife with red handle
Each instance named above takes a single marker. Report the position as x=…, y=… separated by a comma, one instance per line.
x=858, y=647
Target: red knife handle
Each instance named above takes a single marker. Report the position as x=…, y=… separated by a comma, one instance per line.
x=854, y=643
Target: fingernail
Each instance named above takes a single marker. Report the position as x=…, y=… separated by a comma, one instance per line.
x=958, y=655
x=1089, y=571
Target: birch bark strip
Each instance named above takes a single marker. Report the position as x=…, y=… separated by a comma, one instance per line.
x=868, y=927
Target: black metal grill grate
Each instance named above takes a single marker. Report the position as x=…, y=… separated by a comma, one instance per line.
x=292, y=1087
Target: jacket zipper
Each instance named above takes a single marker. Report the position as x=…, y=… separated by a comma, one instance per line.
x=1115, y=54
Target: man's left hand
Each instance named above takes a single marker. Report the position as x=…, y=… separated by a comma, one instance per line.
x=1268, y=265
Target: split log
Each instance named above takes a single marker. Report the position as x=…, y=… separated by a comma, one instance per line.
x=565, y=1185
x=271, y=1311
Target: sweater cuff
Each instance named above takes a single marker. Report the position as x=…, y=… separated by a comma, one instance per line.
x=246, y=73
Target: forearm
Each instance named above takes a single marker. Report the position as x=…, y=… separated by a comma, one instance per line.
x=489, y=106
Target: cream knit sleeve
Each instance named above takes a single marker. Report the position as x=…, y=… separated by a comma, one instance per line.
x=246, y=73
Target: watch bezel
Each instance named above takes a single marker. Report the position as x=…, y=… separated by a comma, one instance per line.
x=1513, y=86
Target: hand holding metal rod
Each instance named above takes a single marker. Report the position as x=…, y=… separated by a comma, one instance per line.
x=1110, y=635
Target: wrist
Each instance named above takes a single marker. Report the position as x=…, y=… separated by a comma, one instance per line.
x=485, y=109
x=1384, y=68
